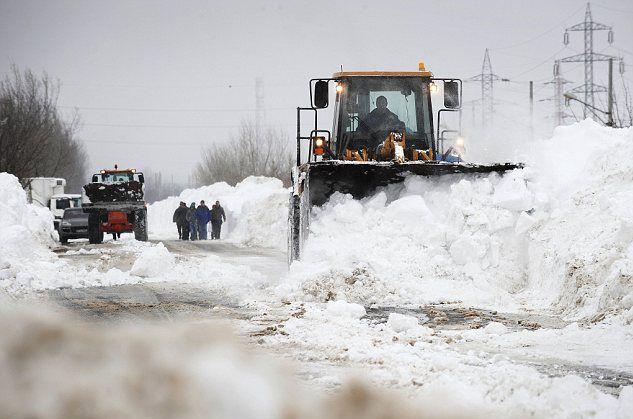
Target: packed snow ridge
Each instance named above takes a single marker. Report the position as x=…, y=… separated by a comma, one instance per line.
x=557, y=235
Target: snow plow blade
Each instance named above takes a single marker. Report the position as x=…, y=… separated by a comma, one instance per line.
x=361, y=179
x=114, y=192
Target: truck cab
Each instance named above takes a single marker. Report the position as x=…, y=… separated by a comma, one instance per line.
x=60, y=202
x=50, y=193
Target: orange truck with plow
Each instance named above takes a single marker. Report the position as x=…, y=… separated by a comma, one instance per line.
x=116, y=204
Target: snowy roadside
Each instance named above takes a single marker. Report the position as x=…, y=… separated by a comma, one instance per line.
x=29, y=265
x=555, y=239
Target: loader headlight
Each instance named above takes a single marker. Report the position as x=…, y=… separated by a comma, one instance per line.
x=339, y=88
x=433, y=87
x=319, y=144
x=459, y=142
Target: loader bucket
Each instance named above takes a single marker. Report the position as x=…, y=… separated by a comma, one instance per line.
x=114, y=192
x=361, y=179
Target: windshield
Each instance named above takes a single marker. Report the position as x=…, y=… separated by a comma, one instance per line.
x=116, y=177
x=72, y=213
x=62, y=203
x=371, y=107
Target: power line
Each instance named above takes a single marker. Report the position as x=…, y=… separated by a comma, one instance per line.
x=165, y=126
x=139, y=143
x=541, y=63
x=613, y=9
x=557, y=26
x=105, y=108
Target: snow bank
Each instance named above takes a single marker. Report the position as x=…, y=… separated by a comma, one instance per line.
x=256, y=211
x=27, y=264
x=25, y=229
x=558, y=234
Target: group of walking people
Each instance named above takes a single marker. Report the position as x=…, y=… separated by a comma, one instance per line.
x=192, y=221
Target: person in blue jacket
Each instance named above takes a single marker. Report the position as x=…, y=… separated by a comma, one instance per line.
x=203, y=215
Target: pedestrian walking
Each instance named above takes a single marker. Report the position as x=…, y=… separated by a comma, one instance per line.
x=193, y=223
x=217, y=218
x=203, y=215
x=180, y=218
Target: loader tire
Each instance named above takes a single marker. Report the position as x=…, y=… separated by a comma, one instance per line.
x=140, y=225
x=95, y=236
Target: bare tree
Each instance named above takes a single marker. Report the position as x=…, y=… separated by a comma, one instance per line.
x=627, y=118
x=253, y=151
x=34, y=138
x=157, y=188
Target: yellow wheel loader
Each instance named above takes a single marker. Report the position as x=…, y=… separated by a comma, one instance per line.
x=383, y=131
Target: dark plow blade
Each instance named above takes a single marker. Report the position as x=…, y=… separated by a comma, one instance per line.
x=361, y=179
x=114, y=192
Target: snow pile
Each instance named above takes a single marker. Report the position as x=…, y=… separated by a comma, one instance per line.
x=24, y=228
x=401, y=322
x=421, y=241
x=153, y=262
x=557, y=234
x=342, y=308
x=426, y=364
x=256, y=211
x=26, y=232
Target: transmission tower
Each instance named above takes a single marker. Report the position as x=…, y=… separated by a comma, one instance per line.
x=589, y=88
x=259, y=102
x=487, y=78
x=559, y=83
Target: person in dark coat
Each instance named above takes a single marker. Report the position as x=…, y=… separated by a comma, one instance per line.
x=180, y=218
x=217, y=218
x=380, y=121
x=203, y=215
x=193, y=223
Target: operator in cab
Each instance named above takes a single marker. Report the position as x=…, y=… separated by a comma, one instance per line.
x=379, y=122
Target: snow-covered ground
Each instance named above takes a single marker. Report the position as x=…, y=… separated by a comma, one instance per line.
x=500, y=296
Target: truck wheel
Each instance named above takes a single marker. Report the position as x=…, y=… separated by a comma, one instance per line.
x=63, y=240
x=95, y=236
x=140, y=225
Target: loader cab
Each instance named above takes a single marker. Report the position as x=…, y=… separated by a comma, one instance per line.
x=361, y=124
x=377, y=113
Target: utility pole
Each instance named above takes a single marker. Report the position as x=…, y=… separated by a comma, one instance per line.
x=610, y=93
x=588, y=57
x=531, y=110
x=259, y=103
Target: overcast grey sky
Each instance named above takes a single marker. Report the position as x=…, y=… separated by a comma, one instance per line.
x=154, y=81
